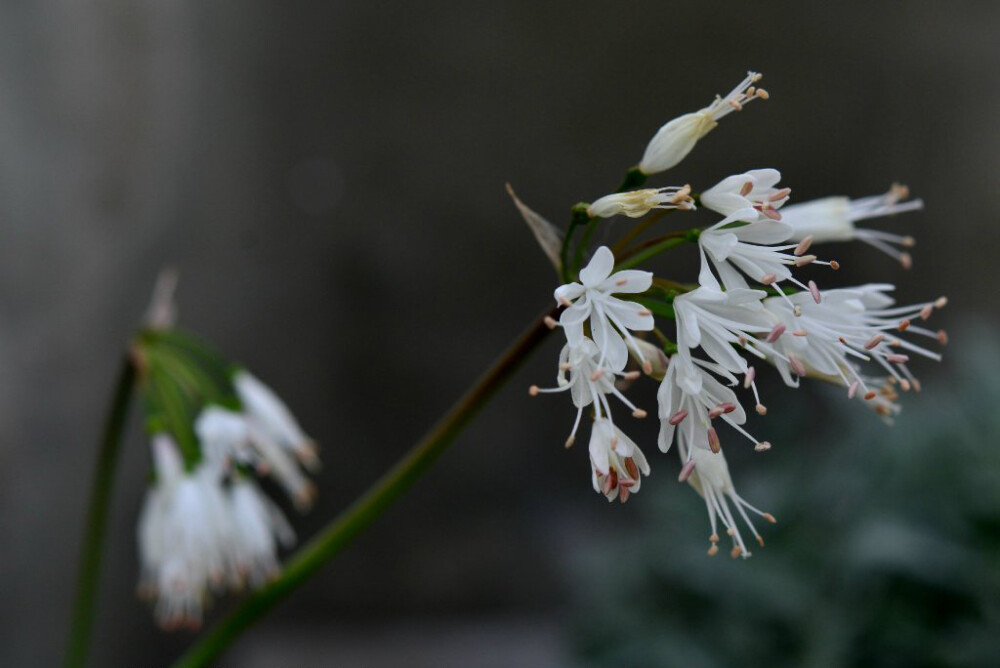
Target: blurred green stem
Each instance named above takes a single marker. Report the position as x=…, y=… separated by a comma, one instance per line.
x=88, y=576
x=356, y=518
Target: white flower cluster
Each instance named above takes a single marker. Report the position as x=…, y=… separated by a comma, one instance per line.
x=738, y=310
x=209, y=527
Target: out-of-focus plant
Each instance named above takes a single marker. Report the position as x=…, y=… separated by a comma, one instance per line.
x=888, y=553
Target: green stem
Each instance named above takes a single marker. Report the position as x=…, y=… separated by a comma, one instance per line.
x=344, y=528
x=638, y=229
x=671, y=241
x=88, y=576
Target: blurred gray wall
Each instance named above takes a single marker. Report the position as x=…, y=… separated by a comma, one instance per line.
x=328, y=177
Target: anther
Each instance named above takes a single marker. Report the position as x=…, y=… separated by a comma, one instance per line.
x=814, y=291
x=686, y=471
x=760, y=540
x=776, y=332
x=904, y=324
x=926, y=312
x=874, y=341
x=906, y=260
x=631, y=375
x=621, y=281
x=736, y=552
x=714, y=538
x=747, y=188
x=614, y=443
x=565, y=366
x=780, y=194
x=940, y=302
x=748, y=379
x=804, y=260
x=803, y=246
x=770, y=518
x=768, y=279
x=639, y=413
x=565, y=302
x=905, y=384
x=633, y=470
x=797, y=310
x=800, y=332
x=761, y=409
x=896, y=358
x=550, y=322
x=713, y=440
x=762, y=94
x=942, y=337
x=714, y=413
x=834, y=265
x=596, y=376
x=647, y=367
x=678, y=417
x=797, y=366
x=771, y=213
x=763, y=446
x=853, y=389
x=743, y=341
x=644, y=312
x=727, y=407
x=869, y=395
x=570, y=441
x=534, y=390
x=714, y=550
x=908, y=241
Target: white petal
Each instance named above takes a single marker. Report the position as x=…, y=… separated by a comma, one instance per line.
x=599, y=268
x=630, y=281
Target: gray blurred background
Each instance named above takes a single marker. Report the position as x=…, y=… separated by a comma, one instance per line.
x=328, y=177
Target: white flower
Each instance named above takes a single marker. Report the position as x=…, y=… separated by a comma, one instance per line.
x=185, y=538
x=270, y=415
x=616, y=461
x=708, y=473
x=610, y=317
x=258, y=528
x=715, y=321
x=637, y=203
x=690, y=414
x=227, y=436
x=581, y=373
x=833, y=218
x=674, y=141
x=850, y=326
x=747, y=197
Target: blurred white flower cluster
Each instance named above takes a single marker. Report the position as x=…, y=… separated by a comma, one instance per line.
x=747, y=305
x=206, y=525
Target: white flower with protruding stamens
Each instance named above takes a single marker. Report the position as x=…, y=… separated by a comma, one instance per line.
x=271, y=416
x=748, y=248
x=617, y=463
x=228, y=436
x=748, y=197
x=690, y=414
x=850, y=326
x=833, y=218
x=610, y=318
x=588, y=383
x=185, y=538
x=637, y=203
x=715, y=320
x=259, y=527
x=708, y=473
x=674, y=141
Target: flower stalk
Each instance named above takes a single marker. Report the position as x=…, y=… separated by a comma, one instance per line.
x=101, y=489
x=356, y=518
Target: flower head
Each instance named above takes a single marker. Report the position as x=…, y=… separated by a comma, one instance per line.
x=610, y=318
x=637, y=203
x=616, y=461
x=674, y=141
x=833, y=218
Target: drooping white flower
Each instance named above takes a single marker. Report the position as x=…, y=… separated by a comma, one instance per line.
x=747, y=197
x=617, y=463
x=833, y=218
x=690, y=414
x=185, y=538
x=674, y=141
x=708, y=473
x=228, y=436
x=850, y=326
x=259, y=527
x=588, y=382
x=270, y=415
x=715, y=320
x=637, y=203
x=610, y=318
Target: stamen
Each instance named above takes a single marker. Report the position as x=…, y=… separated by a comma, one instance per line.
x=906, y=260
x=770, y=518
x=800, y=332
x=632, y=469
x=768, y=279
x=776, y=332
x=814, y=291
x=904, y=324
x=614, y=443
x=678, y=417
x=763, y=446
x=714, y=550
x=570, y=441
x=797, y=365
x=834, y=265
x=875, y=340
x=686, y=471
x=746, y=189
x=631, y=375
x=803, y=246
x=713, y=440
x=940, y=302
x=804, y=260
x=761, y=409
x=853, y=389
x=550, y=322
x=639, y=413
x=727, y=407
x=869, y=395
x=534, y=390
x=797, y=311
x=942, y=337
x=736, y=551
x=896, y=358
x=596, y=376
x=751, y=374
x=926, y=312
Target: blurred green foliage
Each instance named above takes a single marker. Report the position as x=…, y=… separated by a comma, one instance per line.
x=886, y=551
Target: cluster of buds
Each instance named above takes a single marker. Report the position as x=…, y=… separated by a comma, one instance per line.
x=746, y=306
x=206, y=526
